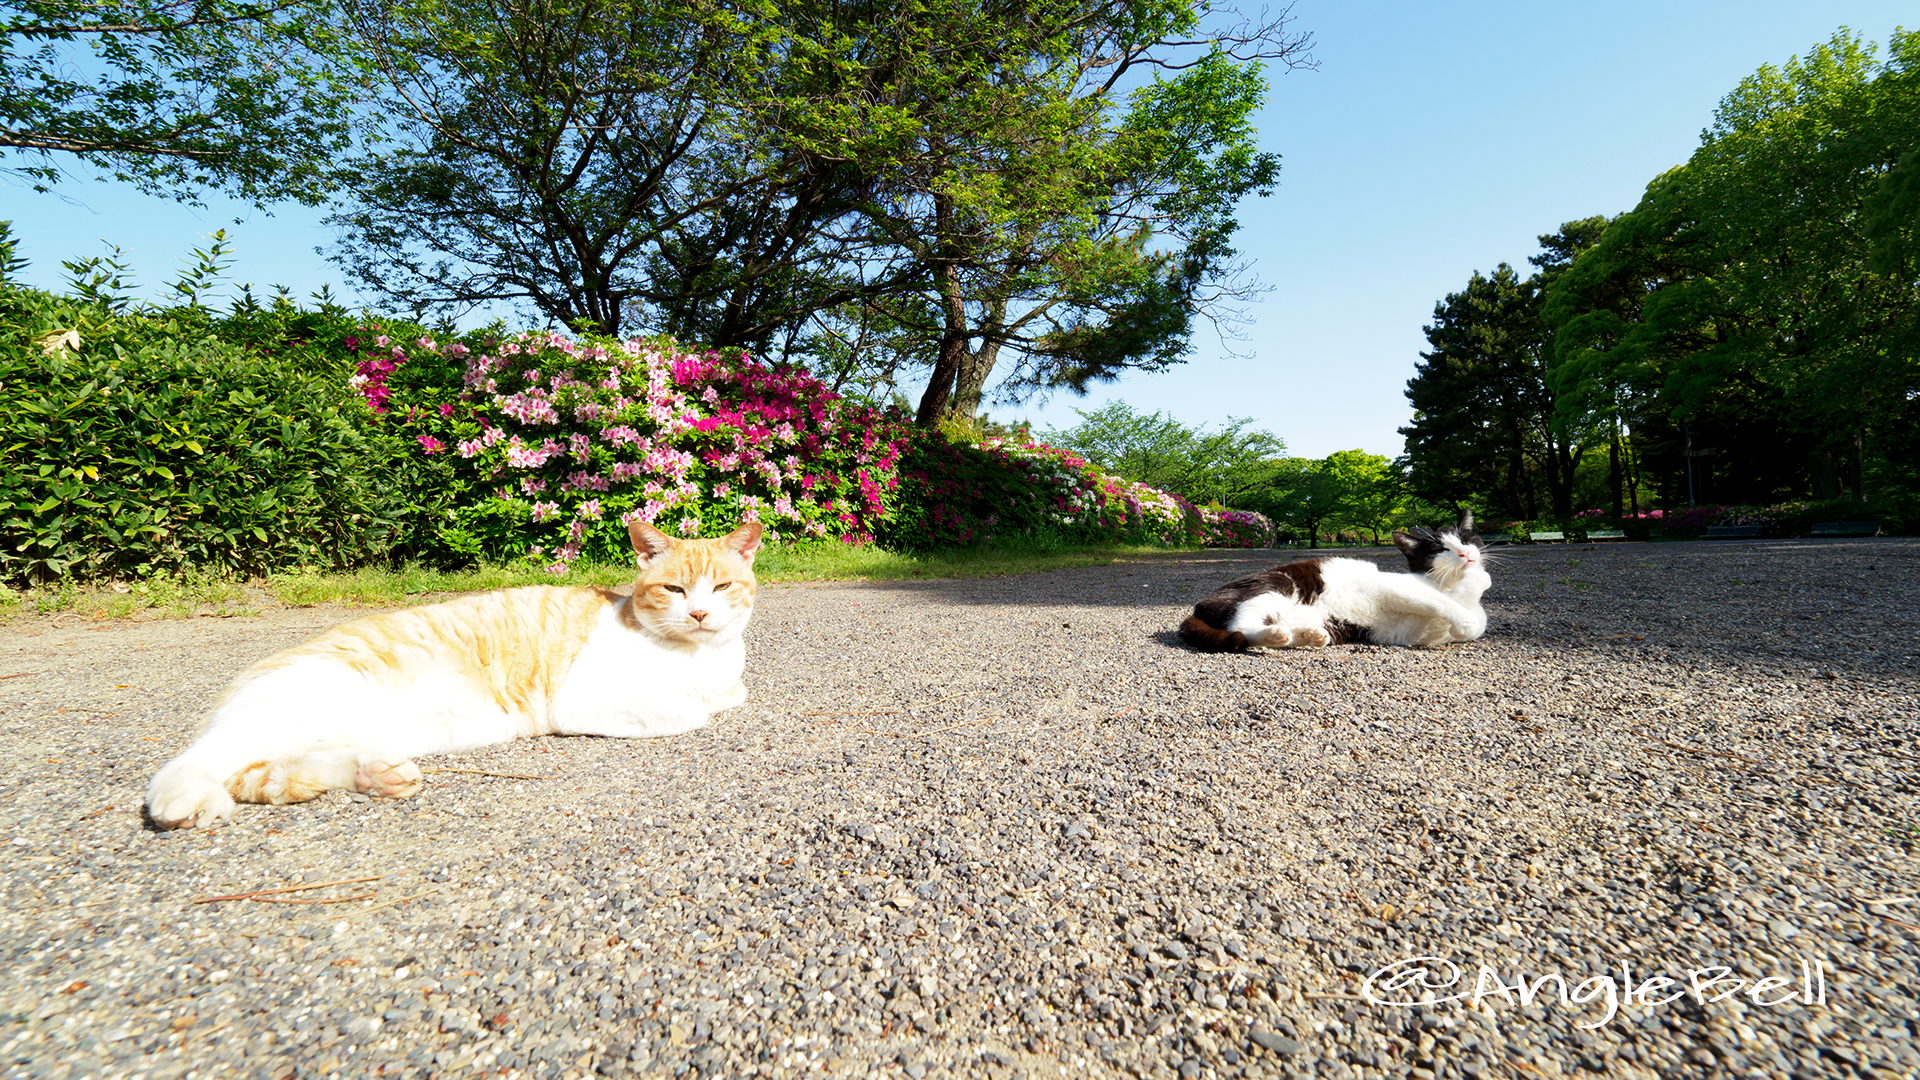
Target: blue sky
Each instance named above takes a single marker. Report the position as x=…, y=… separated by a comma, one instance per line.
x=1434, y=140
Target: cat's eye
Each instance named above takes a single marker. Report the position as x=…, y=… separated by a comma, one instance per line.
x=675, y=589
x=722, y=585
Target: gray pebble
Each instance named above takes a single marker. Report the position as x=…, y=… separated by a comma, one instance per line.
x=1276, y=1043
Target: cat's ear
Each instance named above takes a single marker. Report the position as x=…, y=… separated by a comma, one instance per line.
x=1405, y=543
x=649, y=543
x=1466, y=522
x=744, y=541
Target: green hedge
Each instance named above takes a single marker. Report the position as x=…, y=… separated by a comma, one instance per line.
x=134, y=443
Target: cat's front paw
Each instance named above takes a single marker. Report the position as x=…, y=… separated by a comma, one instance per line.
x=1311, y=637
x=187, y=797
x=1269, y=636
x=388, y=781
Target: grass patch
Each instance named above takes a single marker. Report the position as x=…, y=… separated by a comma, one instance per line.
x=846, y=562
x=193, y=592
x=383, y=586
x=205, y=594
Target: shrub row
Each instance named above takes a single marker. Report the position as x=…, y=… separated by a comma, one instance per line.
x=1787, y=519
x=1780, y=520
x=277, y=437
x=136, y=443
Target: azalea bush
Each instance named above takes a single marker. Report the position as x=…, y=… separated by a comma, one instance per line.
x=545, y=447
x=956, y=492
x=1161, y=516
x=1222, y=527
x=551, y=446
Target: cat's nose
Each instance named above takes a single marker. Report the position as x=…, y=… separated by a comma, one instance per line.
x=697, y=616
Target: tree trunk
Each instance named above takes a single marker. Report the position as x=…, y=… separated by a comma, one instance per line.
x=1563, y=463
x=1520, y=489
x=937, y=401
x=1634, y=476
x=1826, y=484
x=971, y=382
x=1519, y=484
x=1613, y=467
x=1860, y=464
x=933, y=403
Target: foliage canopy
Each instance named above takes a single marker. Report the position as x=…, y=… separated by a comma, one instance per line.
x=176, y=96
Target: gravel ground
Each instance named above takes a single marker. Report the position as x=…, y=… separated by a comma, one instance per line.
x=1012, y=828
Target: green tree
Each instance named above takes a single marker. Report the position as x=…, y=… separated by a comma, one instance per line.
x=1893, y=219
x=1486, y=422
x=1226, y=466
x=587, y=158
x=1303, y=495
x=1064, y=220
x=1774, y=318
x=816, y=180
x=1151, y=448
x=1375, y=495
x=177, y=96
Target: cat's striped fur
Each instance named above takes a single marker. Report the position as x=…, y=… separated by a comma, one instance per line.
x=352, y=707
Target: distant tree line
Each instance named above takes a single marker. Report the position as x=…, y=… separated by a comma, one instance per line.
x=1248, y=469
x=1748, y=334
x=1040, y=193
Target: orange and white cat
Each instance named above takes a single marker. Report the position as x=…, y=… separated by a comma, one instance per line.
x=351, y=708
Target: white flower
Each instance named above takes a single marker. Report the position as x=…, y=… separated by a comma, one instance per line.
x=60, y=341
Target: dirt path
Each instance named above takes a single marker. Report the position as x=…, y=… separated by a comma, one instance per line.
x=1011, y=827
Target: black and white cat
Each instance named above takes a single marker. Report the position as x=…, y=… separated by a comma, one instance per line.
x=1317, y=602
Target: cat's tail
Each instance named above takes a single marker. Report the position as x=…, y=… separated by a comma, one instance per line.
x=1197, y=633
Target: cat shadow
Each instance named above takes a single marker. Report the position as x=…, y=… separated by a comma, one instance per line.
x=1171, y=639
x=1181, y=579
